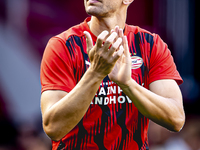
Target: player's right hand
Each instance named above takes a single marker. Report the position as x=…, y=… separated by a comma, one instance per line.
x=104, y=54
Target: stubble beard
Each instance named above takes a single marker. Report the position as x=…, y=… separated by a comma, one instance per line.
x=99, y=13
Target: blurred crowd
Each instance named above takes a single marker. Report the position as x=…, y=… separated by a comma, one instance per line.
x=27, y=25
x=188, y=139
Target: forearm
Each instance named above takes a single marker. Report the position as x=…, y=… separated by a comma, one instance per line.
x=65, y=114
x=163, y=110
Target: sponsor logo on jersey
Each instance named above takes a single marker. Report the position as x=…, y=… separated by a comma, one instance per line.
x=136, y=62
x=110, y=93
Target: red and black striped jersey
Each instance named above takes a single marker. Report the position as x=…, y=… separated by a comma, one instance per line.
x=112, y=122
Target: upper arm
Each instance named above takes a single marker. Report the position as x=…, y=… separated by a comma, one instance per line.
x=48, y=99
x=170, y=91
x=167, y=88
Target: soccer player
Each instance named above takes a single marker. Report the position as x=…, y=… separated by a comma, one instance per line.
x=102, y=81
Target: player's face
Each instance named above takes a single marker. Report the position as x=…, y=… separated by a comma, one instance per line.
x=102, y=8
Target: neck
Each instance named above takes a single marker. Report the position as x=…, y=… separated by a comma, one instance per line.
x=97, y=25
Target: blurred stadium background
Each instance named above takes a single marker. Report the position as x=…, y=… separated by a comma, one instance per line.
x=27, y=25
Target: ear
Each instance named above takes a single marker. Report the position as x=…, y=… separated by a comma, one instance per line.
x=127, y=2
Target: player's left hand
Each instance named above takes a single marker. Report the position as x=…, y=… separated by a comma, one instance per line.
x=121, y=73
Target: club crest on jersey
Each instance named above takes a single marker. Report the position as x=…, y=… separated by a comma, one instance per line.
x=136, y=62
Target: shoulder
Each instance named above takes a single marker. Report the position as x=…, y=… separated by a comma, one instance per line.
x=76, y=30
x=61, y=42
x=141, y=34
x=137, y=30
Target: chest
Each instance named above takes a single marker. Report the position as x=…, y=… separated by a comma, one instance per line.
x=140, y=46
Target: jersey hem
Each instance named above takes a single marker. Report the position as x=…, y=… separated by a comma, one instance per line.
x=178, y=80
x=53, y=87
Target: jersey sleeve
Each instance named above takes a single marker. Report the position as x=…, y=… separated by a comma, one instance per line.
x=162, y=64
x=56, y=67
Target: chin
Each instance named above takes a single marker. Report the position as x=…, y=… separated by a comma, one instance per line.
x=92, y=10
x=95, y=12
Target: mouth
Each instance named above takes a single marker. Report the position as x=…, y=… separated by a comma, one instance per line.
x=93, y=1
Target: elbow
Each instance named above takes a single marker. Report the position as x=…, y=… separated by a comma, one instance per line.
x=52, y=132
x=178, y=123
x=56, y=129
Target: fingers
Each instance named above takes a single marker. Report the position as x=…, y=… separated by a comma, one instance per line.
x=101, y=38
x=89, y=41
x=118, y=54
x=124, y=39
x=115, y=46
x=119, y=31
x=119, y=39
x=115, y=39
x=125, y=45
x=110, y=40
x=121, y=34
